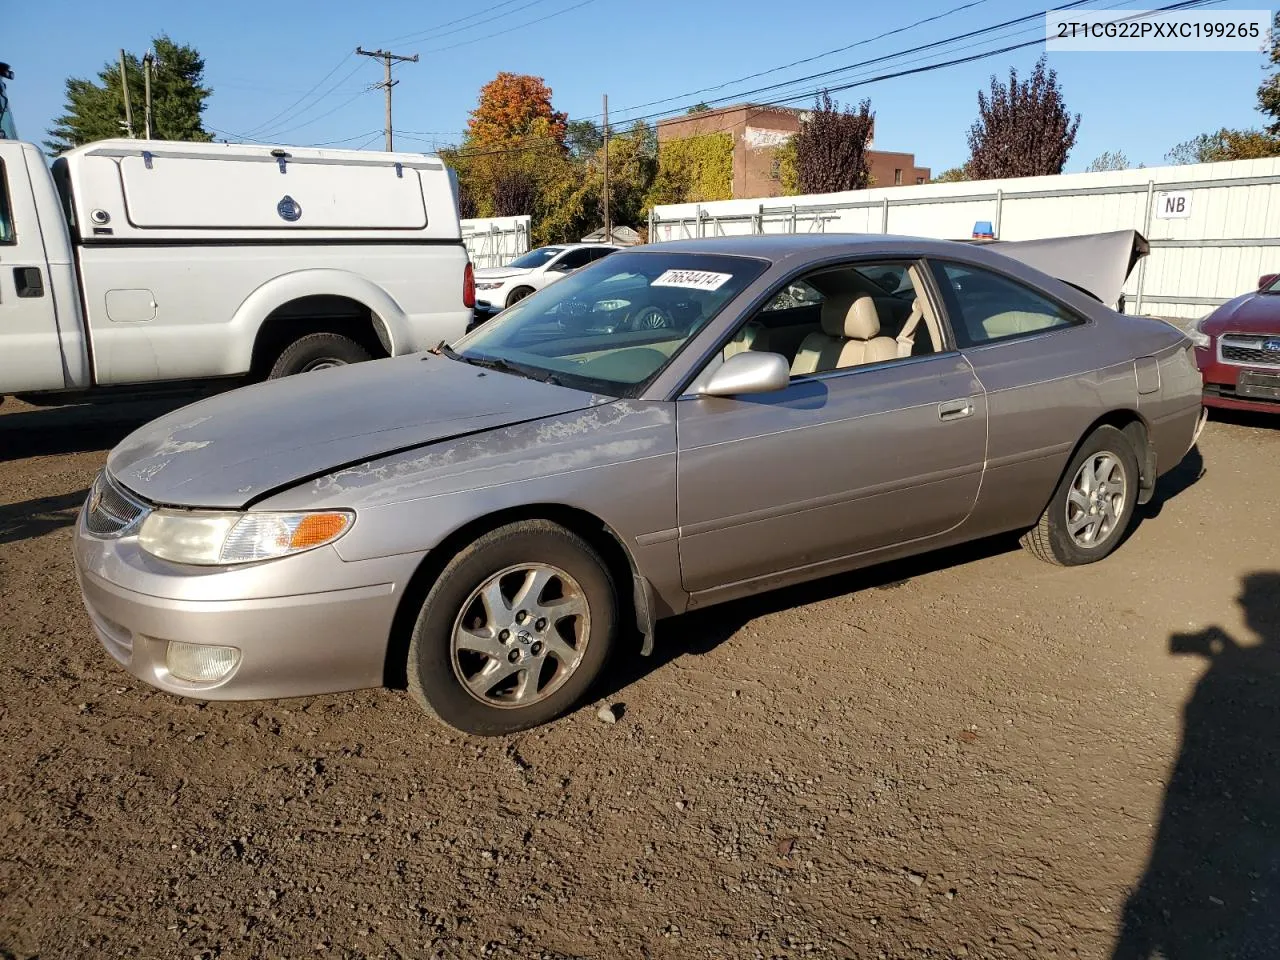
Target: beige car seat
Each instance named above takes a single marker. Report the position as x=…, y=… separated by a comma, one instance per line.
x=850, y=337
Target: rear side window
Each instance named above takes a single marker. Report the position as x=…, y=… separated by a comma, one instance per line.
x=986, y=307
x=6, y=212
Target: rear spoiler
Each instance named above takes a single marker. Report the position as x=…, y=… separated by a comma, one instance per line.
x=1096, y=263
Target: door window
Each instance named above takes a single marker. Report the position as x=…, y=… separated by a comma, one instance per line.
x=6, y=212
x=842, y=317
x=985, y=306
x=574, y=259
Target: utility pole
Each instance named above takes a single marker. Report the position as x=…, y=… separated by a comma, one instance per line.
x=608, y=219
x=387, y=59
x=124, y=88
x=146, y=87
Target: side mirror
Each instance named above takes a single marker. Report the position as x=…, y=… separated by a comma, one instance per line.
x=1266, y=280
x=748, y=372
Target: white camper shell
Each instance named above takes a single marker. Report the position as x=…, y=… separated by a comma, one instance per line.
x=151, y=261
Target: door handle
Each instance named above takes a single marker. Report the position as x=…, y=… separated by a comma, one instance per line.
x=955, y=409
x=29, y=281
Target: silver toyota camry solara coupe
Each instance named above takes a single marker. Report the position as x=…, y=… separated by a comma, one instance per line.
x=672, y=427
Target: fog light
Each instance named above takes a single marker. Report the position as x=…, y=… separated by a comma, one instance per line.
x=200, y=663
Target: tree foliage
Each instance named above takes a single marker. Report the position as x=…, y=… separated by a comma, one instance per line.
x=1023, y=129
x=95, y=110
x=831, y=147
x=1223, y=145
x=954, y=175
x=513, y=106
x=1269, y=91
x=1108, y=160
x=694, y=170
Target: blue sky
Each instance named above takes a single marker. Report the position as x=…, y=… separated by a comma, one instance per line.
x=262, y=57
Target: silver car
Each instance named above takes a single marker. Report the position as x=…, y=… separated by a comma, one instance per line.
x=488, y=523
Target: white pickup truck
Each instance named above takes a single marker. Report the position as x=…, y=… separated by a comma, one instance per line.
x=144, y=262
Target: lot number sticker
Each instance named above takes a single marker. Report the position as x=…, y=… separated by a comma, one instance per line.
x=692, y=279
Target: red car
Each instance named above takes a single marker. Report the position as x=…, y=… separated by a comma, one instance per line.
x=1238, y=350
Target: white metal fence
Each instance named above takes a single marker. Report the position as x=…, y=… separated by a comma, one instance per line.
x=495, y=241
x=1214, y=228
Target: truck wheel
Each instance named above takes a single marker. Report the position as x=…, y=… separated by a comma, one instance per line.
x=317, y=351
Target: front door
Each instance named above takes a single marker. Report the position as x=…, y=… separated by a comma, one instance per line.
x=30, y=353
x=833, y=466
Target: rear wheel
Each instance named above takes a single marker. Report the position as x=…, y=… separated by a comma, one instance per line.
x=317, y=351
x=1093, y=505
x=514, y=632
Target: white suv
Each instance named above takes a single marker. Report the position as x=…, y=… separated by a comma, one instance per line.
x=503, y=286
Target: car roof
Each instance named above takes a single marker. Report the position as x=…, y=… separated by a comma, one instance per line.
x=779, y=246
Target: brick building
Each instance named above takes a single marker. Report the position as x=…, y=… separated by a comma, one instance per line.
x=758, y=132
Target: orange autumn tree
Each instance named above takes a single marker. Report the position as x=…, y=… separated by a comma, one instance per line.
x=514, y=158
x=514, y=106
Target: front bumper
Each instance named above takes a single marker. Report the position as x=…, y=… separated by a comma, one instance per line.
x=307, y=624
x=1220, y=381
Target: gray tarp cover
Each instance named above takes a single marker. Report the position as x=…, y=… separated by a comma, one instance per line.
x=1098, y=263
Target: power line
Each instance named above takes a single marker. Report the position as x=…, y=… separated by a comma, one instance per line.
x=449, y=23
x=804, y=60
x=267, y=130
x=436, y=33
x=317, y=86
x=499, y=33
x=1186, y=4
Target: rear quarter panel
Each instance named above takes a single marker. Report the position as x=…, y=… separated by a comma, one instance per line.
x=1043, y=394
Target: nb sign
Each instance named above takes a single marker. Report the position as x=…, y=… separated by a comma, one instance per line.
x=1173, y=206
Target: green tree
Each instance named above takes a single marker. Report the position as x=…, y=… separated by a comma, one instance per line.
x=1269, y=91
x=954, y=175
x=95, y=110
x=1108, y=160
x=1223, y=145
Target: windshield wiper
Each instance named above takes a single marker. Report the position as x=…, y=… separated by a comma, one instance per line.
x=502, y=366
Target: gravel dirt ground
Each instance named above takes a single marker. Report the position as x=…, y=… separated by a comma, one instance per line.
x=973, y=754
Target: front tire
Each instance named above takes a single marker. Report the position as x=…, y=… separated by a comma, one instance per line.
x=518, y=294
x=1093, y=505
x=317, y=351
x=515, y=631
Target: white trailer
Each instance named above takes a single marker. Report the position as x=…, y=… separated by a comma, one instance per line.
x=143, y=262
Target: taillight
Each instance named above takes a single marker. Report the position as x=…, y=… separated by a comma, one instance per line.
x=469, y=286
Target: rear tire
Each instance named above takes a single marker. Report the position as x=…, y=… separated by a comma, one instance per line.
x=515, y=630
x=317, y=351
x=1093, y=505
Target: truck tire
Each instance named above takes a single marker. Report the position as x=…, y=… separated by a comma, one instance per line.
x=317, y=351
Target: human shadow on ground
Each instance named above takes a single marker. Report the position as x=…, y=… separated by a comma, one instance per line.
x=35, y=518
x=1212, y=885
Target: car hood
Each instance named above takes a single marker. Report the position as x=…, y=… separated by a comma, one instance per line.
x=499, y=273
x=233, y=449
x=1250, y=313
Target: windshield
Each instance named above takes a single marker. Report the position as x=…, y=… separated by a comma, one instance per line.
x=613, y=325
x=1273, y=286
x=535, y=258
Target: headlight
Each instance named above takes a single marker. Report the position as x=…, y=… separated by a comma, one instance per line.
x=210, y=539
x=1198, y=336
x=488, y=284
